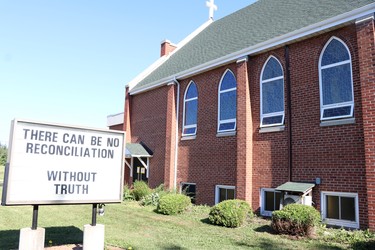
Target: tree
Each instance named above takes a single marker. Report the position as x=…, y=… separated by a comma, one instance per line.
x=3, y=154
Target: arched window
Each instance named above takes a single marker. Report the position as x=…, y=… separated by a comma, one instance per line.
x=336, y=81
x=190, y=110
x=227, y=103
x=272, y=94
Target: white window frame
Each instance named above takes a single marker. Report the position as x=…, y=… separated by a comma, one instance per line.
x=219, y=122
x=183, y=120
x=337, y=222
x=280, y=113
x=217, y=191
x=262, y=197
x=336, y=105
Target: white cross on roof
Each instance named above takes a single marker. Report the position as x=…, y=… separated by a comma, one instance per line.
x=212, y=7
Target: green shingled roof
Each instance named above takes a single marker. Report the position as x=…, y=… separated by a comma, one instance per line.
x=259, y=22
x=136, y=150
x=295, y=187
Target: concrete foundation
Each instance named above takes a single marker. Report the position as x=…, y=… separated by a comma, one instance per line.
x=32, y=239
x=93, y=237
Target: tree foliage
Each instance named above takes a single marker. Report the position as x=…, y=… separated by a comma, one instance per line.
x=3, y=154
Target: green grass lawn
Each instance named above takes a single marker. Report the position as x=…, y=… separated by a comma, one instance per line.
x=131, y=225
x=1, y=173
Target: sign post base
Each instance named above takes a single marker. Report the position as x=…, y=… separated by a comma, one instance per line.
x=32, y=239
x=93, y=237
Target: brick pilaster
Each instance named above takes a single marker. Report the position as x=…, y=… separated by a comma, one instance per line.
x=244, y=134
x=127, y=114
x=170, y=137
x=366, y=56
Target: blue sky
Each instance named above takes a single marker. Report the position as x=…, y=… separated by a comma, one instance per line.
x=67, y=61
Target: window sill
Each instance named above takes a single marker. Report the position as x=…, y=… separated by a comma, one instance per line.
x=271, y=129
x=224, y=134
x=337, y=122
x=188, y=137
x=341, y=223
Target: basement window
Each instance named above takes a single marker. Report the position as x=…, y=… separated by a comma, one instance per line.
x=340, y=209
x=189, y=189
x=223, y=193
x=269, y=200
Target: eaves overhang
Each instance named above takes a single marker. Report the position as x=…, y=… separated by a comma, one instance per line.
x=297, y=35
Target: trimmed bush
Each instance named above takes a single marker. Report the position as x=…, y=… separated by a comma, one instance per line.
x=140, y=190
x=295, y=219
x=230, y=213
x=173, y=203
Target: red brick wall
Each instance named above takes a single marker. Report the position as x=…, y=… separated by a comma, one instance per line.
x=244, y=170
x=270, y=150
x=148, y=123
x=366, y=54
x=117, y=127
x=170, y=139
x=127, y=115
x=207, y=160
x=335, y=153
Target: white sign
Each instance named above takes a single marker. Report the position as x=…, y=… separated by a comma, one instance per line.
x=59, y=164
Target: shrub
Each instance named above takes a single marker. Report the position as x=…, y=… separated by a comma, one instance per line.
x=173, y=203
x=153, y=198
x=150, y=199
x=127, y=194
x=140, y=190
x=3, y=154
x=295, y=219
x=230, y=213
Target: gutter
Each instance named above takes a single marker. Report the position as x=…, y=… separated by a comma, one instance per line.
x=266, y=45
x=289, y=107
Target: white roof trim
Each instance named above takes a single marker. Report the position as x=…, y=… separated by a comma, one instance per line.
x=147, y=71
x=162, y=59
x=115, y=119
x=294, y=35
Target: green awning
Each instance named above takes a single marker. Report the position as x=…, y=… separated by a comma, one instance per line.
x=136, y=150
x=296, y=187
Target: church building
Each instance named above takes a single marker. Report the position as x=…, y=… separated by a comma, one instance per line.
x=272, y=104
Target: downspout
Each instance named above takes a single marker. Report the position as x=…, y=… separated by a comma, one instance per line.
x=289, y=108
x=176, y=145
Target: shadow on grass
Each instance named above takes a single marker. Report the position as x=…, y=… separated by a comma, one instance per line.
x=259, y=244
x=206, y=221
x=9, y=239
x=171, y=247
x=264, y=229
x=275, y=245
x=364, y=245
x=63, y=235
